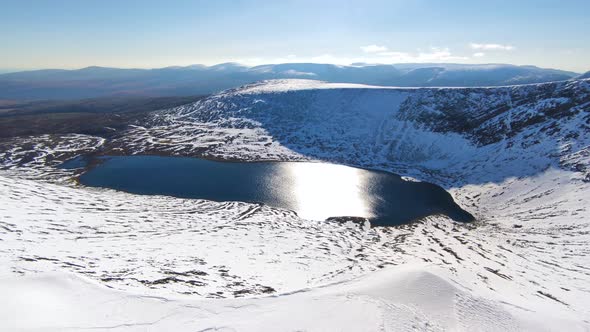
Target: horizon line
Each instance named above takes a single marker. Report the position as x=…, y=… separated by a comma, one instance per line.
x=4, y=71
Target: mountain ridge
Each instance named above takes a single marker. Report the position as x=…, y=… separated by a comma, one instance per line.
x=97, y=81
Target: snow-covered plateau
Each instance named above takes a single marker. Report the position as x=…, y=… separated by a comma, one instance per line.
x=517, y=158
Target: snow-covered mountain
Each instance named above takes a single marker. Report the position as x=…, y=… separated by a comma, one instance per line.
x=436, y=129
x=516, y=157
x=198, y=79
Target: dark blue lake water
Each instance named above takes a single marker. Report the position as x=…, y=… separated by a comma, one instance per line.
x=313, y=190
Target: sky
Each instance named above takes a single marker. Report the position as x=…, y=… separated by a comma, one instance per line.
x=149, y=34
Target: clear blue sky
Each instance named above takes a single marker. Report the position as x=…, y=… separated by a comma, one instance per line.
x=129, y=33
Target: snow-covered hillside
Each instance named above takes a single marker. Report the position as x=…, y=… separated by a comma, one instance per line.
x=516, y=157
x=483, y=134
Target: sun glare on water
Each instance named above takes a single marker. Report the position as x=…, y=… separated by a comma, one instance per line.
x=319, y=190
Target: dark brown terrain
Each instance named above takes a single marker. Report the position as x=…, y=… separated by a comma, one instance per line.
x=97, y=116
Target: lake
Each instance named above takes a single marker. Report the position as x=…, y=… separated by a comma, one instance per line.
x=314, y=191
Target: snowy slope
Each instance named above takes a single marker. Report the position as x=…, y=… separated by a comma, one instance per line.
x=397, y=299
x=516, y=157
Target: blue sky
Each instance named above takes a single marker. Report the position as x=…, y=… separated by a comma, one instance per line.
x=74, y=34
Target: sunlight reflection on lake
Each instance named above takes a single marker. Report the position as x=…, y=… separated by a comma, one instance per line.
x=319, y=191
x=314, y=191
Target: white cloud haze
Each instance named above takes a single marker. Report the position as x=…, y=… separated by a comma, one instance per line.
x=491, y=47
x=373, y=49
x=373, y=54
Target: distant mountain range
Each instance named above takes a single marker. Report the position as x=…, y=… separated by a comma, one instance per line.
x=199, y=79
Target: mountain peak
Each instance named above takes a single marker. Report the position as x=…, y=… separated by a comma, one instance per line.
x=228, y=66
